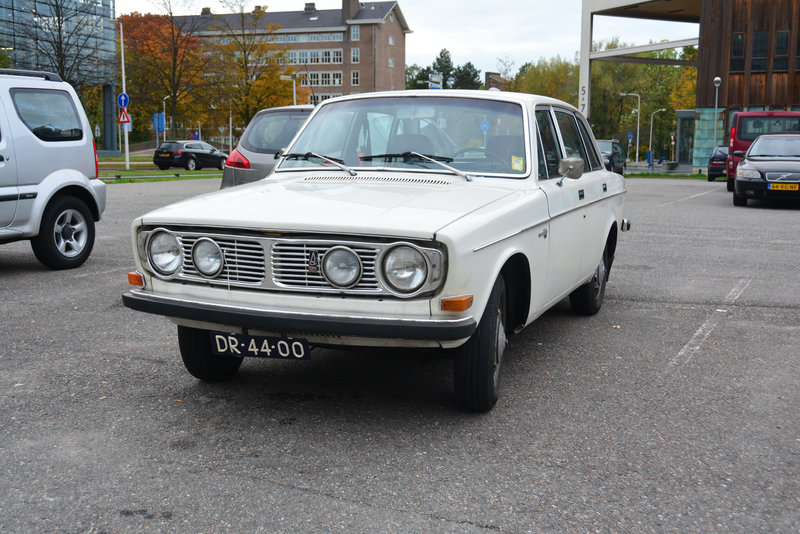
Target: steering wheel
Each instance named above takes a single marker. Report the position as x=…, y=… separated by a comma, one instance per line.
x=487, y=152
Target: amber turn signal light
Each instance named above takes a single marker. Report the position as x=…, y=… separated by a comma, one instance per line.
x=457, y=304
x=135, y=279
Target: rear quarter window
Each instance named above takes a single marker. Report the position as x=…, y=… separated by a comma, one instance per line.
x=49, y=113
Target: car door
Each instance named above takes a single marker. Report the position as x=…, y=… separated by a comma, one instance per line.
x=209, y=160
x=564, y=202
x=9, y=192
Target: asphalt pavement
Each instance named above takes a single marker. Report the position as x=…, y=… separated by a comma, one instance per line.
x=672, y=410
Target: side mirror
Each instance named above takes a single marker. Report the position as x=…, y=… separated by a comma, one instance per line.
x=570, y=168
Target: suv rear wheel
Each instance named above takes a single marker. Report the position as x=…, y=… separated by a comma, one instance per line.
x=66, y=234
x=191, y=164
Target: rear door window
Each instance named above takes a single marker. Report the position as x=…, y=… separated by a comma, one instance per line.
x=50, y=114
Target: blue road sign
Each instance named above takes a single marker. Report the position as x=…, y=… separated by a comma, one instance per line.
x=123, y=100
x=630, y=136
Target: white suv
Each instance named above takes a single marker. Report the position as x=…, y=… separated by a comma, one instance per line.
x=49, y=191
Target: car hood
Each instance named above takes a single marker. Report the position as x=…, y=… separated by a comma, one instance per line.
x=377, y=203
x=775, y=165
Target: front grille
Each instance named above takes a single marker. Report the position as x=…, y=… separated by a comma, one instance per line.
x=783, y=177
x=297, y=265
x=243, y=260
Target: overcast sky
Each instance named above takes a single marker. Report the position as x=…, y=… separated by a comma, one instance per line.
x=480, y=31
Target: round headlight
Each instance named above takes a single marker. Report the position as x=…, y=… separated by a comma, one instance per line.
x=341, y=267
x=207, y=257
x=404, y=269
x=164, y=252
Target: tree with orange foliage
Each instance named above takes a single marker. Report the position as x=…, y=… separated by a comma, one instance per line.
x=166, y=60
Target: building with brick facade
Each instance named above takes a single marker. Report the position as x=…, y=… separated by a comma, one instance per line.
x=359, y=48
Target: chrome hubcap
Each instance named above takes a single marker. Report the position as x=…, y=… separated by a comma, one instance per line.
x=70, y=233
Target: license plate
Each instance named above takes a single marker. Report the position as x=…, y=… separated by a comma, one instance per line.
x=241, y=345
x=165, y=154
x=784, y=187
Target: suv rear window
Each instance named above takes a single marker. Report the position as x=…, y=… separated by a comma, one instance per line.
x=271, y=132
x=50, y=114
x=752, y=127
x=171, y=147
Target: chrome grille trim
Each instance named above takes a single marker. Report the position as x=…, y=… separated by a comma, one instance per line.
x=284, y=264
x=788, y=177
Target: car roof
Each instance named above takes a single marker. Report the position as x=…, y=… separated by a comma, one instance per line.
x=298, y=107
x=524, y=99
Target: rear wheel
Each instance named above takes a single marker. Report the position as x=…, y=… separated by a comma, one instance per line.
x=730, y=185
x=221, y=164
x=588, y=299
x=66, y=234
x=163, y=167
x=201, y=363
x=477, y=363
x=191, y=164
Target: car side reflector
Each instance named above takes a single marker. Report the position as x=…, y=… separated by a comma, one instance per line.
x=457, y=304
x=135, y=279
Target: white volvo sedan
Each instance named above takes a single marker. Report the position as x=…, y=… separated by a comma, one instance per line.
x=418, y=219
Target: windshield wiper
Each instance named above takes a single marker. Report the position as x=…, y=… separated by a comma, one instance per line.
x=438, y=160
x=406, y=155
x=333, y=161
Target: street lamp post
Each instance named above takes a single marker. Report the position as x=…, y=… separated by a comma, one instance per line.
x=638, y=116
x=122, y=60
x=164, y=111
x=717, y=82
x=292, y=77
x=651, y=132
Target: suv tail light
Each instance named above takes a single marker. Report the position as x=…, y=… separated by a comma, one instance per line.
x=733, y=136
x=96, y=164
x=236, y=159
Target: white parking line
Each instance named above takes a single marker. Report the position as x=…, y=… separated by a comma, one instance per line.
x=686, y=198
x=685, y=355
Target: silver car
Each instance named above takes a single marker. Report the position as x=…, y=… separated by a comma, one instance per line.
x=270, y=130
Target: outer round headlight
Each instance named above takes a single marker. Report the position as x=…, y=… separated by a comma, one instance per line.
x=207, y=257
x=404, y=269
x=341, y=267
x=165, y=252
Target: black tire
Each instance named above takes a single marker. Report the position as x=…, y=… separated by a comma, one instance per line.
x=191, y=165
x=739, y=200
x=711, y=178
x=221, y=164
x=588, y=299
x=201, y=363
x=163, y=167
x=478, y=362
x=730, y=185
x=66, y=234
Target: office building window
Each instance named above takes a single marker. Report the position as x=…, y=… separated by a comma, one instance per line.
x=391, y=40
x=355, y=78
x=355, y=33
x=355, y=56
x=737, y=53
x=760, y=43
x=391, y=63
x=780, y=62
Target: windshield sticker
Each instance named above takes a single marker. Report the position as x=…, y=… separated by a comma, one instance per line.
x=517, y=163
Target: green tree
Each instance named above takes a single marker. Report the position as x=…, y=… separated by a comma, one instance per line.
x=466, y=76
x=5, y=60
x=443, y=64
x=556, y=77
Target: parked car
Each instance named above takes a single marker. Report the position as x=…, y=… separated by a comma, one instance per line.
x=375, y=231
x=255, y=155
x=613, y=155
x=770, y=169
x=49, y=190
x=190, y=155
x=717, y=163
x=747, y=125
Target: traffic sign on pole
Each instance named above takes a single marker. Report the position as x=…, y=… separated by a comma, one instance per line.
x=123, y=100
x=124, y=118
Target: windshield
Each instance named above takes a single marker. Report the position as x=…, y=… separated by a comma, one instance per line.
x=770, y=146
x=471, y=135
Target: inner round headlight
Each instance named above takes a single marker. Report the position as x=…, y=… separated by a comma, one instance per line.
x=404, y=269
x=165, y=252
x=207, y=257
x=341, y=267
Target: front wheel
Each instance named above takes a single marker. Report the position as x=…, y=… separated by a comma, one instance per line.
x=739, y=200
x=477, y=363
x=588, y=298
x=195, y=346
x=66, y=234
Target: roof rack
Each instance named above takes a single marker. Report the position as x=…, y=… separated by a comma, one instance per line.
x=49, y=76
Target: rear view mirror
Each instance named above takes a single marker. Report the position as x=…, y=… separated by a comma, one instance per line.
x=571, y=168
